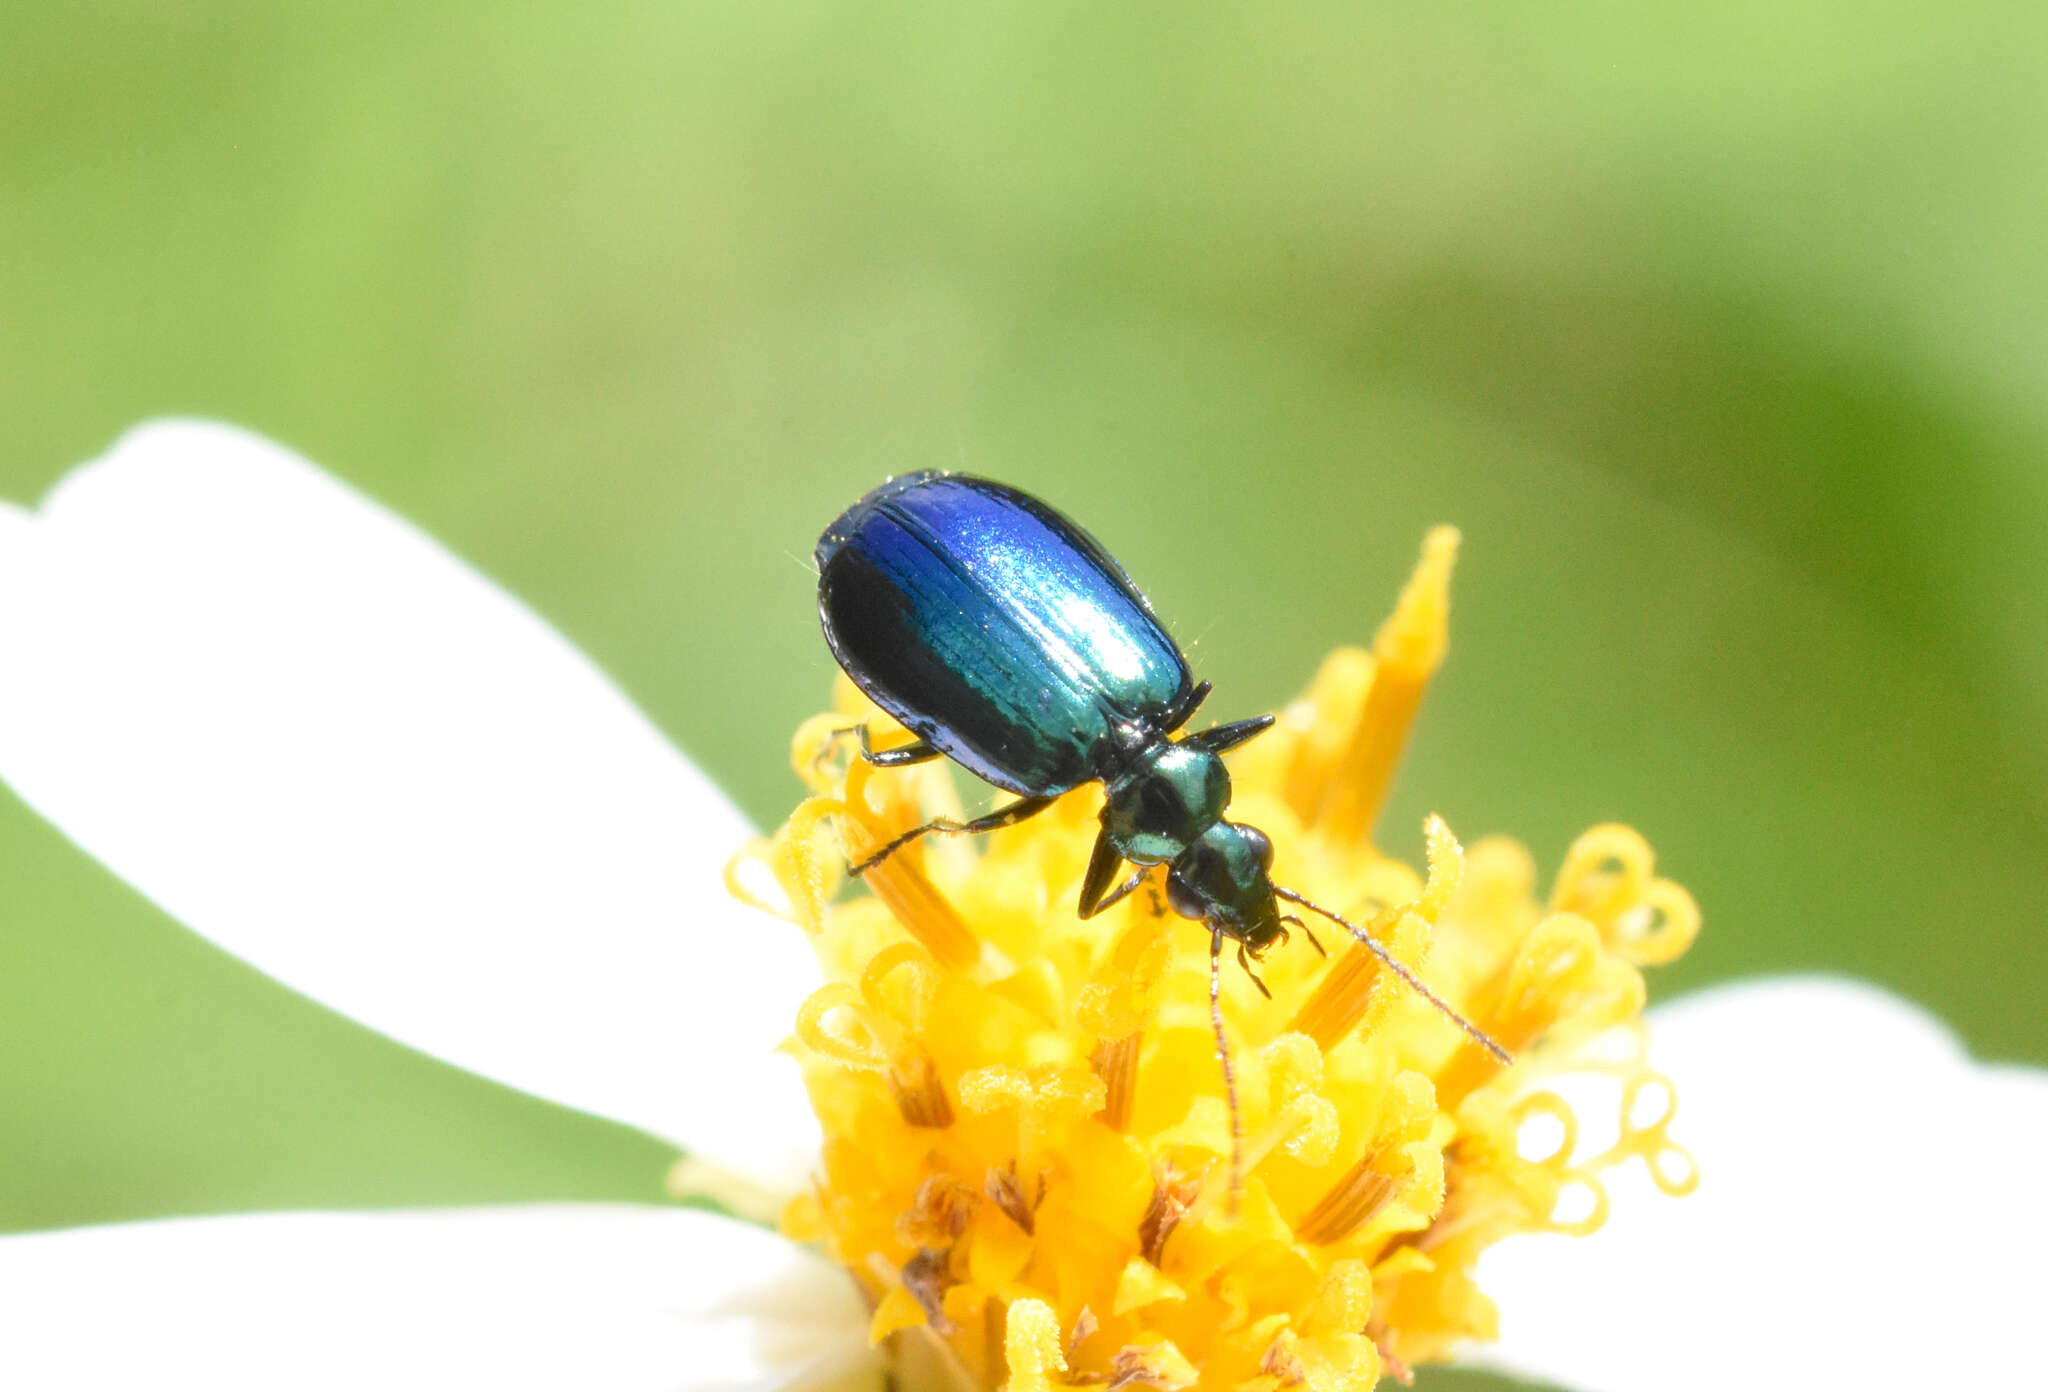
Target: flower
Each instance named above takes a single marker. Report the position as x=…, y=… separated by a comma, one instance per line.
x=313, y=736
x=1029, y=1156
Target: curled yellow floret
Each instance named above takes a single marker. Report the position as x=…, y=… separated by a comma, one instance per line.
x=1027, y=1154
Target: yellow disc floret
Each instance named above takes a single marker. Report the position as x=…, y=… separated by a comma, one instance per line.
x=1027, y=1155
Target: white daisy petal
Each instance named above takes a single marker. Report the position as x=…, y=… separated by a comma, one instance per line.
x=311, y=734
x=546, y=1297
x=1868, y=1213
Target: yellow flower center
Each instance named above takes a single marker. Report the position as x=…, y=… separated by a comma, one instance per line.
x=1027, y=1155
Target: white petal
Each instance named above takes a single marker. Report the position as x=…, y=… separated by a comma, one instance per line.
x=596, y=1296
x=1869, y=1213
x=314, y=736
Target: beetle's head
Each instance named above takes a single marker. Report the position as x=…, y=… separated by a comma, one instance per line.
x=1224, y=880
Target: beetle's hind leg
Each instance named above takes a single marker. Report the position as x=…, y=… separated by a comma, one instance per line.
x=1008, y=815
x=902, y=756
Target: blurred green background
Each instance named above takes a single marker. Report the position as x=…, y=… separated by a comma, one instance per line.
x=1719, y=330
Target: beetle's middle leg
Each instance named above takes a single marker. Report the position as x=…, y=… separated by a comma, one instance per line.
x=1007, y=815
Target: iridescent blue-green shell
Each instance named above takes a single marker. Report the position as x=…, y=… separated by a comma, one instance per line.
x=996, y=630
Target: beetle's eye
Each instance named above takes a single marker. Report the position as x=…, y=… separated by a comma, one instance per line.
x=1185, y=900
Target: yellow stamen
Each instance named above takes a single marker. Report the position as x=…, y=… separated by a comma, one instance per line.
x=919, y=1094
x=1031, y=1347
x=1115, y=1061
x=1008, y=1195
x=1027, y=1163
x=899, y=883
x=1173, y=1194
x=1117, y=1005
x=1352, y=1202
x=1355, y=981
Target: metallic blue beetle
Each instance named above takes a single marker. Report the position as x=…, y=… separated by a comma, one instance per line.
x=1005, y=638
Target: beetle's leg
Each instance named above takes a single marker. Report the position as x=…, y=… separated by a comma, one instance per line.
x=1229, y=736
x=830, y=744
x=1121, y=891
x=916, y=752
x=1245, y=962
x=1313, y=940
x=1008, y=815
x=1102, y=865
x=1223, y=1057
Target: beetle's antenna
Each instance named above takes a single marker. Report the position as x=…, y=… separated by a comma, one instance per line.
x=1478, y=1034
x=1229, y=1073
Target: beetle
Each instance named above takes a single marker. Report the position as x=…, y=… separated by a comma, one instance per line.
x=1006, y=638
